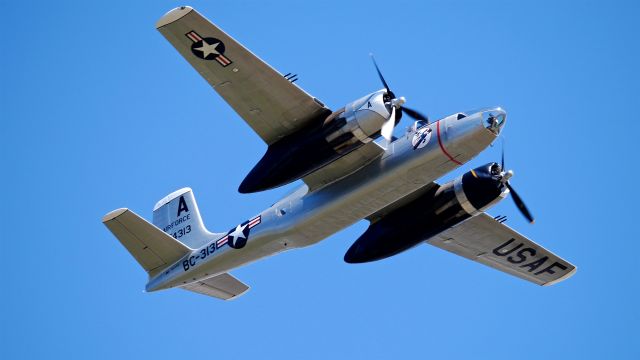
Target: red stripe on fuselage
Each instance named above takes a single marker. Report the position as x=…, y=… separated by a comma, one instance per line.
x=442, y=146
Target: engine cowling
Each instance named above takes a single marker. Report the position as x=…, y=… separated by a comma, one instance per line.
x=359, y=123
x=309, y=149
x=435, y=211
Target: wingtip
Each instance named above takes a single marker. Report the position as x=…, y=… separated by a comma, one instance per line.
x=114, y=214
x=238, y=295
x=563, y=278
x=173, y=15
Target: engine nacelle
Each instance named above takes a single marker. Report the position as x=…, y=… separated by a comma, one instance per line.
x=430, y=214
x=301, y=153
x=359, y=123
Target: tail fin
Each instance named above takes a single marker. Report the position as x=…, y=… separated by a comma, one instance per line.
x=152, y=248
x=178, y=215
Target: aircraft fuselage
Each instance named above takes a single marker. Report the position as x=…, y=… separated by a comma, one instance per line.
x=305, y=217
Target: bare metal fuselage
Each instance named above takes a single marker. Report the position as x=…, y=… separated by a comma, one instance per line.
x=306, y=217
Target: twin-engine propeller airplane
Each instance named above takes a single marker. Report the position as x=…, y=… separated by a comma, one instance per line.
x=352, y=168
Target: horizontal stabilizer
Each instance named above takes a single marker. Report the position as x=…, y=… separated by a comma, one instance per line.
x=223, y=286
x=150, y=246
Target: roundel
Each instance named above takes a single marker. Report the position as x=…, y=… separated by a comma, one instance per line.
x=208, y=48
x=421, y=137
x=237, y=237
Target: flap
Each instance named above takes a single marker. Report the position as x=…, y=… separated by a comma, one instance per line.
x=487, y=241
x=224, y=286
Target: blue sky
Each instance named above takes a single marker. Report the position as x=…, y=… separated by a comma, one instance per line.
x=100, y=112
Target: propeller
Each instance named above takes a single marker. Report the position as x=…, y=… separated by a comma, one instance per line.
x=386, y=86
x=519, y=203
x=396, y=103
x=387, y=128
x=505, y=176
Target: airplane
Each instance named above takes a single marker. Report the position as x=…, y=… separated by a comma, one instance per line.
x=352, y=168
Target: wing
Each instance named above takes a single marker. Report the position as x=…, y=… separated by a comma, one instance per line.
x=268, y=102
x=485, y=240
x=224, y=286
x=344, y=166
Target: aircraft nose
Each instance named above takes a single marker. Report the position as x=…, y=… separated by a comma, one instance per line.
x=465, y=136
x=494, y=119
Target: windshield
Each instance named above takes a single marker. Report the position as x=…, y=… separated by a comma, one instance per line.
x=419, y=124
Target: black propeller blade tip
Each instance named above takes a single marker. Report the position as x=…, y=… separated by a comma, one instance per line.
x=414, y=114
x=386, y=86
x=520, y=204
x=502, y=162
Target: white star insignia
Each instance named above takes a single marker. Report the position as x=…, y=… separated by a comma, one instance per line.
x=208, y=49
x=238, y=233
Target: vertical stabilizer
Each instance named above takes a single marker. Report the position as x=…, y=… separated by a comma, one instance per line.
x=177, y=214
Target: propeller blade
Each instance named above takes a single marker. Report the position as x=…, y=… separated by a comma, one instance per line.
x=502, y=163
x=387, y=128
x=414, y=114
x=380, y=75
x=520, y=204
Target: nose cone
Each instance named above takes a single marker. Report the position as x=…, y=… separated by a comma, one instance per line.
x=466, y=136
x=494, y=119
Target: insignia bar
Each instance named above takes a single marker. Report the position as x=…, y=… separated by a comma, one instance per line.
x=208, y=48
x=220, y=243
x=255, y=221
x=236, y=238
